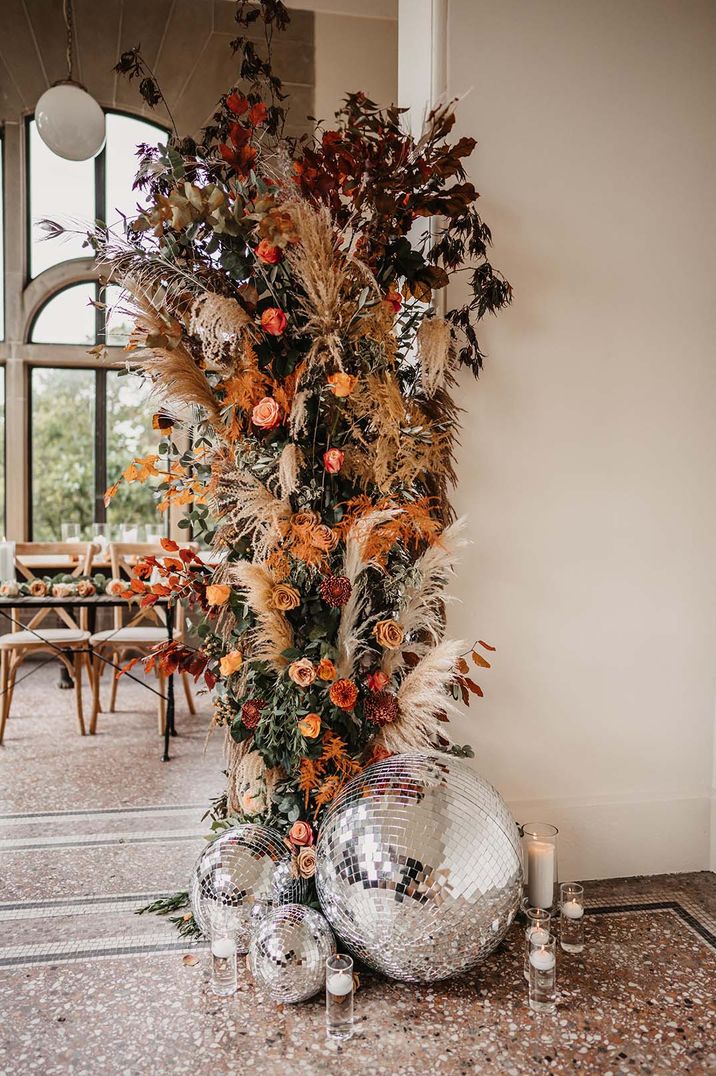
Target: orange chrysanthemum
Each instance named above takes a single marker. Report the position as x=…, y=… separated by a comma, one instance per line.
x=343, y=694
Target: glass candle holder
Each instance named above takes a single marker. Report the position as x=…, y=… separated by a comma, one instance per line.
x=538, y=919
x=571, y=917
x=224, y=977
x=543, y=973
x=539, y=851
x=339, y=997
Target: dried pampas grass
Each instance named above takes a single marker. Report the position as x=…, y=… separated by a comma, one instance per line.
x=252, y=784
x=436, y=352
x=353, y=625
x=272, y=633
x=289, y=465
x=221, y=324
x=421, y=696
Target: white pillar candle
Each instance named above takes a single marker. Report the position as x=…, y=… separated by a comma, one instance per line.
x=340, y=984
x=540, y=874
x=572, y=909
x=223, y=947
x=7, y=561
x=542, y=959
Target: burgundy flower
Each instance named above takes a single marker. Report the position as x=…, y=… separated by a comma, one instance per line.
x=380, y=708
x=251, y=712
x=335, y=590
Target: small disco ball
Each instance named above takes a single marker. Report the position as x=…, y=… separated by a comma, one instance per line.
x=418, y=867
x=246, y=866
x=288, y=953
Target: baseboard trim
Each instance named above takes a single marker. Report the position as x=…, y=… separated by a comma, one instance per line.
x=602, y=838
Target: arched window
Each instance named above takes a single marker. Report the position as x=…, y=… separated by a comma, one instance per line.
x=87, y=420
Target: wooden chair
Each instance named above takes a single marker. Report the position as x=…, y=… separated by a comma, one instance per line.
x=141, y=633
x=73, y=638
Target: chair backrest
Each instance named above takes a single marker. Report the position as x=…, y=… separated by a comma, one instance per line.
x=29, y=555
x=123, y=558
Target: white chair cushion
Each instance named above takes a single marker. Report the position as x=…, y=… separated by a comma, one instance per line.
x=56, y=636
x=140, y=634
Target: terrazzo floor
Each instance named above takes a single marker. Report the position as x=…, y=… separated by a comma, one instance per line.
x=91, y=828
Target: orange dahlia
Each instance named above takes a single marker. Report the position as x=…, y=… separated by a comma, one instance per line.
x=343, y=694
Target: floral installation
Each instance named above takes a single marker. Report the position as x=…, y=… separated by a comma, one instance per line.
x=286, y=311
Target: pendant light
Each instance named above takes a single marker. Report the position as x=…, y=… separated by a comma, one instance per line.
x=69, y=120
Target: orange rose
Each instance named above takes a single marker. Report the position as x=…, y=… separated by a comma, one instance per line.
x=394, y=299
x=302, y=672
x=389, y=634
x=268, y=253
x=310, y=726
x=301, y=833
x=326, y=669
x=231, y=662
x=304, y=522
x=377, y=680
x=342, y=384
x=323, y=537
x=266, y=414
x=333, y=460
x=218, y=594
x=273, y=321
x=285, y=597
x=343, y=694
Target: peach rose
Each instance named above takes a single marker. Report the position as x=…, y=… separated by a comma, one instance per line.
x=115, y=588
x=273, y=321
x=37, y=589
x=302, y=672
x=389, y=634
x=267, y=252
x=326, y=669
x=333, y=460
x=306, y=862
x=86, y=588
x=323, y=537
x=285, y=597
x=63, y=590
x=310, y=726
x=9, y=589
x=377, y=680
x=304, y=522
x=266, y=414
x=301, y=833
x=218, y=594
x=231, y=662
x=342, y=384
x=343, y=694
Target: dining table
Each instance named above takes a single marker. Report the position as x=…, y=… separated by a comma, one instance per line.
x=93, y=603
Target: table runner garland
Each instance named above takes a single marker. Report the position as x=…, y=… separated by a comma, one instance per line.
x=282, y=291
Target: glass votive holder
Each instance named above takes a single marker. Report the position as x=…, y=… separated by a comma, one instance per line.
x=224, y=976
x=543, y=973
x=339, y=997
x=538, y=920
x=571, y=917
x=539, y=853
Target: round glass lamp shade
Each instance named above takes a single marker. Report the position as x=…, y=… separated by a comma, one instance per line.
x=70, y=122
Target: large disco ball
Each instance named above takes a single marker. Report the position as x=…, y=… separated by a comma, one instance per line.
x=245, y=866
x=288, y=953
x=419, y=869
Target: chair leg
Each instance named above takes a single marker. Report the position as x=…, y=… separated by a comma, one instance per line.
x=187, y=691
x=4, y=683
x=94, y=680
x=113, y=690
x=14, y=660
x=161, y=703
x=78, y=690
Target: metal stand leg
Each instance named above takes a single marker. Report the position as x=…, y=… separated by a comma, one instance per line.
x=169, y=729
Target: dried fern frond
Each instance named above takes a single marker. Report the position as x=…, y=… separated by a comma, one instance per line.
x=421, y=696
x=436, y=352
x=246, y=508
x=422, y=610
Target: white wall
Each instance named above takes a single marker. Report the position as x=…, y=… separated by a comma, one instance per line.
x=354, y=53
x=589, y=450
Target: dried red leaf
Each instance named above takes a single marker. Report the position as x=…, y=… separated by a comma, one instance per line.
x=486, y=645
x=479, y=660
x=474, y=688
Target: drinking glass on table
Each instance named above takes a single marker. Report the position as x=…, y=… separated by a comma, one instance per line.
x=71, y=532
x=131, y=532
